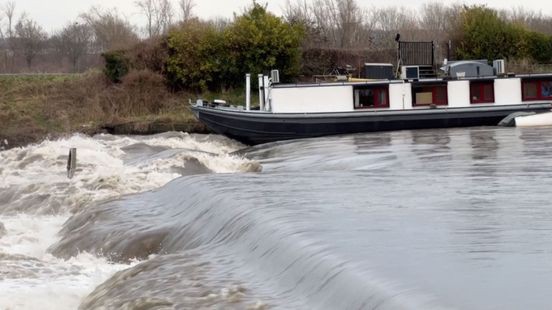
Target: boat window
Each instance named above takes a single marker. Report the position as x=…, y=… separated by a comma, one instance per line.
x=430, y=94
x=530, y=90
x=482, y=92
x=536, y=89
x=546, y=89
x=370, y=96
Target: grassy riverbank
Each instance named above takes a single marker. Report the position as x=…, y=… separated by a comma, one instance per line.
x=34, y=107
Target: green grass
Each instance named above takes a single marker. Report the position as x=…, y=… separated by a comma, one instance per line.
x=234, y=97
x=15, y=81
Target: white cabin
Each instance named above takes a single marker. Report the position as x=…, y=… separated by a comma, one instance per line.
x=409, y=94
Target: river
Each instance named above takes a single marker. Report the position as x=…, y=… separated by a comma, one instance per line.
x=426, y=219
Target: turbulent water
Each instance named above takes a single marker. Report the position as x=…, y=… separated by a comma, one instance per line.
x=428, y=219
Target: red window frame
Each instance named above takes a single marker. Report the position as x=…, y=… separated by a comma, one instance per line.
x=434, y=89
x=477, y=90
x=539, y=86
x=376, y=93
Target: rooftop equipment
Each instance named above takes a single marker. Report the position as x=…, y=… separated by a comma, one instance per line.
x=378, y=71
x=410, y=72
x=420, y=54
x=468, y=68
x=499, y=66
x=275, y=76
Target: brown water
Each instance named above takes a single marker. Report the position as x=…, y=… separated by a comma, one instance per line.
x=432, y=219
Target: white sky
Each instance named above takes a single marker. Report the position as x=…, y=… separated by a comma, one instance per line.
x=53, y=14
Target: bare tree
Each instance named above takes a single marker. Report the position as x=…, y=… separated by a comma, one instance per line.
x=186, y=9
x=392, y=20
x=110, y=30
x=219, y=23
x=74, y=41
x=158, y=14
x=440, y=23
x=519, y=15
x=8, y=11
x=300, y=13
x=165, y=15
x=534, y=21
x=324, y=17
x=30, y=39
x=349, y=22
x=1, y=30
x=3, y=46
x=332, y=23
x=434, y=18
x=341, y=23
x=541, y=24
x=148, y=9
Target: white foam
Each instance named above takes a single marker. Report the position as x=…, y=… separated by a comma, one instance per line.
x=228, y=163
x=30, y=235
x=44, y=198
x=58, y=285
x=220, y=145
x=34, y=279
x=101, y=171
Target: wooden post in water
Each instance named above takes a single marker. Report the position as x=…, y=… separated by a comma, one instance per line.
x=72, y=162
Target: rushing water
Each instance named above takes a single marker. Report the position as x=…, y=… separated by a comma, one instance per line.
x=429, y=219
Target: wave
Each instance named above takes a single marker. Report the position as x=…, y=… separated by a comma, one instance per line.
x=244, y=233
x=31, y=278
x=33, y=179
x=36, y=198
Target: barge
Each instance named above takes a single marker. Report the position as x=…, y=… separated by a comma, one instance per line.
x=292, y=111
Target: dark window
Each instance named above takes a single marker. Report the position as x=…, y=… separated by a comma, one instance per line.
x=536, y=89
x=412, y=73
x=430, y=94
x=482, y=92
x=546, y=89
x=530, y=90
x=368, y=97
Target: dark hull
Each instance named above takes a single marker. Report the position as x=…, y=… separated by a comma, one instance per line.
x=254, y=127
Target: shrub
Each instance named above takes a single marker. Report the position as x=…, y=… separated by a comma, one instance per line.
x=203, y=57
x=483, y=34
x=150, y=54
x=195, y=56
x=148, y=92
x=540, y=47
x=116, y=65
x=258, y=41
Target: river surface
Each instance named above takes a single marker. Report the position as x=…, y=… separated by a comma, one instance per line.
x=427, y=219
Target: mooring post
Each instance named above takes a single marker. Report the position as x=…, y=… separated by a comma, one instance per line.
x=71, y=162
x=266, y=93
x=248, y=91
x=261, y=92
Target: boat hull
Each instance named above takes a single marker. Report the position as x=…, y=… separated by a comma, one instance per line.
x=255, y=127
x=542, y=119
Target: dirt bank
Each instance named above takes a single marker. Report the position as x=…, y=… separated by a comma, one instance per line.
x=35, y=107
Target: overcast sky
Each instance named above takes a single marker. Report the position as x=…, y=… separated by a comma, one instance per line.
x=53, y=14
